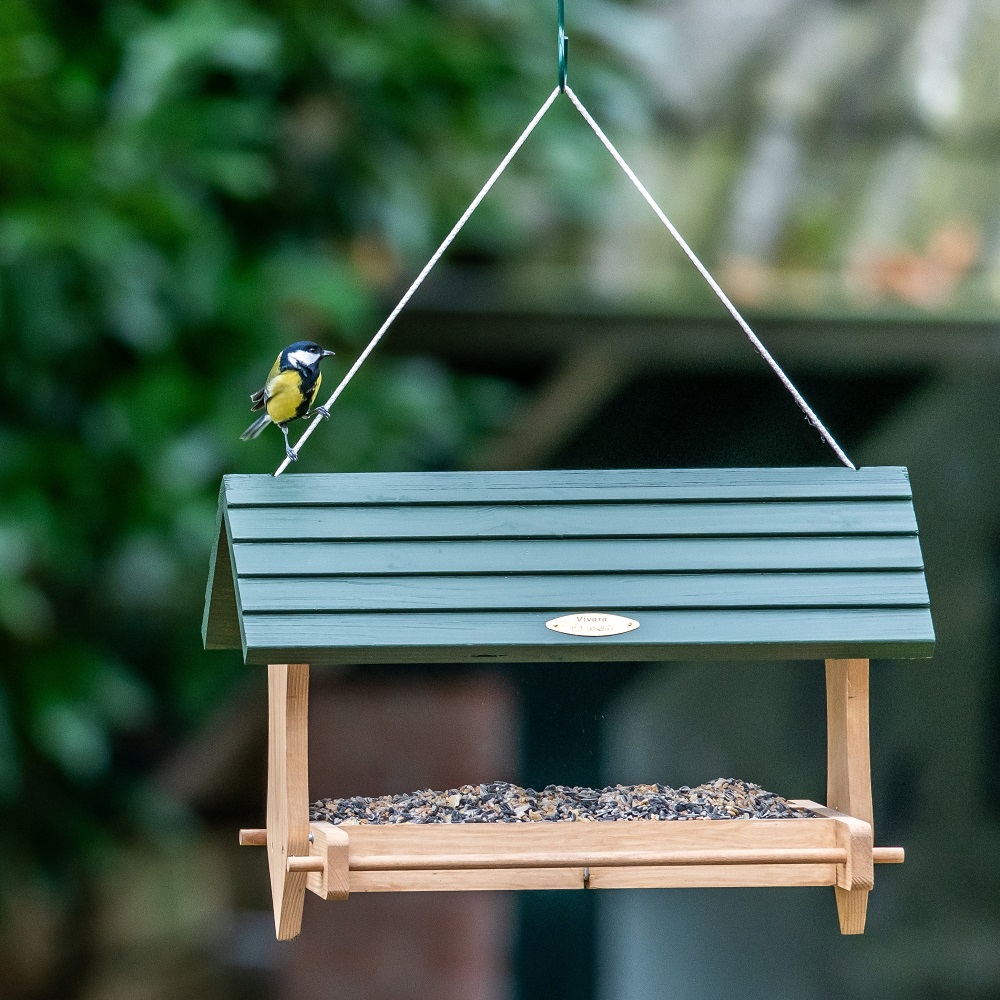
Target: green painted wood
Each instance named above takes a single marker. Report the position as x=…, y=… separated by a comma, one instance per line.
x=522, y=637
x=558, y=593
x=458, y=567
x=579, y=555
x=220, y=624
x=575, y=520
x=579, y=486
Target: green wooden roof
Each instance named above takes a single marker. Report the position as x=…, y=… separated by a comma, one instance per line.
x=467, y=566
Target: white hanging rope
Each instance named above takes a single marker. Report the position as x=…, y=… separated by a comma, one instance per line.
x=423, y=274
x=713, y=284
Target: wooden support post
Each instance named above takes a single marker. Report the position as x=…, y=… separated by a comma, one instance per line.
x=848, y=779
x=287, y=791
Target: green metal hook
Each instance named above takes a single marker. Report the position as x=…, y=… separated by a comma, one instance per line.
x=563, y=42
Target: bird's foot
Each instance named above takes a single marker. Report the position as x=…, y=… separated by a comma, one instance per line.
x=290, y=452
x=321, y=411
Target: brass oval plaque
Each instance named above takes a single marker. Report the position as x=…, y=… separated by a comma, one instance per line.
x=592, y=623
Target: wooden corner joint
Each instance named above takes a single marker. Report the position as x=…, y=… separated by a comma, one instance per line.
x=327, y=863
x=855, y=835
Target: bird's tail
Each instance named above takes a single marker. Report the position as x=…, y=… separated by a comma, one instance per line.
x=255, y=428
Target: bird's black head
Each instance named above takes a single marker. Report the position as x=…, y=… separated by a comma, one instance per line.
x=303, y=354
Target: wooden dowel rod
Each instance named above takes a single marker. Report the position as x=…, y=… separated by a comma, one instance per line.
x=253, y=838
x=888, y=855
x=305, y=864
x=880, y=856
x=597, y=859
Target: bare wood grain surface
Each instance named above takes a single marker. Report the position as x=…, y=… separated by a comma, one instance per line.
x=467, y=880
x=712, y=876
x=422, y=841
x=848, y=781
x=287, y=791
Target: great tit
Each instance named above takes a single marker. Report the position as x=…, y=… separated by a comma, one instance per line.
x=289, y=390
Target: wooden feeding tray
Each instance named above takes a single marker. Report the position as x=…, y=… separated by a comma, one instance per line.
x=721, y=564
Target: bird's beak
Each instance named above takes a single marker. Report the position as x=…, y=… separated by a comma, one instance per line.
x=328, y=354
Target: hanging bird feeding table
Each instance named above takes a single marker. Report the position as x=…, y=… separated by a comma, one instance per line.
x=605, y=566
x=570, y=566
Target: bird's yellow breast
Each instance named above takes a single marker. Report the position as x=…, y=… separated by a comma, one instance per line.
x=285, y=398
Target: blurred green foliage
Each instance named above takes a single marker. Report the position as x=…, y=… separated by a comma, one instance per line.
x=186, y=187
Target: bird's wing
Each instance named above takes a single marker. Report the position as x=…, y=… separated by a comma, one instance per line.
x=261, y=396
x=315, y=392
x=284, y=396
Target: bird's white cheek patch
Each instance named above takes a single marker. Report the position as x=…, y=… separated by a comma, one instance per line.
x=304, y=359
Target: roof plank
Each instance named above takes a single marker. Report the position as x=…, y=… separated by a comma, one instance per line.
x=578, y=485
x=522, y=636
x=635, y=520
x=579, y=555
x=546, y=594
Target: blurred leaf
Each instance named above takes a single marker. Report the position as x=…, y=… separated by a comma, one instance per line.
x=70, y=734
x=163, y=56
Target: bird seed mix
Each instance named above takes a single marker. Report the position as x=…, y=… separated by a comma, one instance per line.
x=502, y=802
